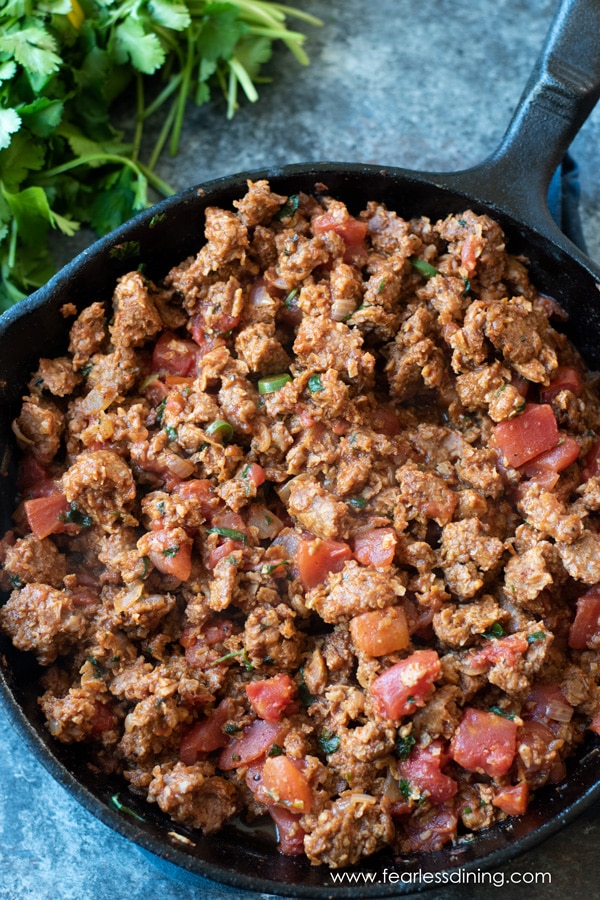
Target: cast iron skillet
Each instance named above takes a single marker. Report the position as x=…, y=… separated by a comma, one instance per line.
x=511, y=186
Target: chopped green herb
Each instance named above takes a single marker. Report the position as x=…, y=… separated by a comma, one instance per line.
x=380, y=286
x=230, y=728
x=160, y=409
x=97, y=666
x=289, y=208
x=404, y=787
x=536, y=636
x=145, y=565
x=171, y=433
x=404, y=745
x=155, y=220
x=160, y=506
x=315, y=385
x=232, y=533
x=126, y=250
x=501, y=712
x=233, y=655
x=126, y=809
x=467, y=287
x=269, y=568
x=86, y=369
x=220, y=430
x=271, y=383
x=171, y=551
x=329, y=742
x=467, y=810
x=423, y=267
x=304, y=695
x=288, y=302
x=358, y=502
x=75, y=516
x=275, y=750
x=16, y=581
x=496, y=631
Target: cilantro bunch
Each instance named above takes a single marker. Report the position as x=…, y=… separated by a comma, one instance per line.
x=63, y=66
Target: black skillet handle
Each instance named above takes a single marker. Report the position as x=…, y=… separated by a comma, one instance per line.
x=562, y=90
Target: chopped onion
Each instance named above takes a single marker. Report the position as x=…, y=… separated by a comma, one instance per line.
x=21, y=439
x=559, y=710
x=98, y=400
x=183, y=468
x=342, y=309
x=127, y=598
x=284, y=490
x=266, y=523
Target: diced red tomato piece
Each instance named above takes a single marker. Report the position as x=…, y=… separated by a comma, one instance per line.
x=566, y=378
x=316, y=559
x=270, y=697
x=423, y=770
x=200, y=490
x=290, y=834
x=400, y=690
x=380, y=631
x=552, y=461
x=592, y=464
x=104, y=718
x=33, y=479
x=170, y=554
x=255, y=474
x=218, y=630
x=512, y=800
x=223, y=550
x=468, y=253
x=484, y=742
x=206, y=735
x=431, y=831
x=351, y=230
x=385, y=421
x=526, y=436
x=498, y=650
x=255, y=742
x=286, y=785
x=45, y=515
x=376, y=547
x=585, y=629
x=173, y=354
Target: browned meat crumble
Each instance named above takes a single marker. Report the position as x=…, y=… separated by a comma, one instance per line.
x=310, y=529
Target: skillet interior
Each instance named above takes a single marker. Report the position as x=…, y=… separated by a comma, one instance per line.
x=161, y=238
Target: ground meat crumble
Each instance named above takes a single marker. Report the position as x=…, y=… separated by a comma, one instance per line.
x=310, y=530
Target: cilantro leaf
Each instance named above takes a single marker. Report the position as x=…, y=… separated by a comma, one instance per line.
x=10, y=121
x=144, y=50
x=34, y=48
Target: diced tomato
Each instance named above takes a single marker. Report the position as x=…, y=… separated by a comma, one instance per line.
x=498, y=650
x=104, y=718
x=544, y=468
x=431, y=831
x=290, y=834
x=255, y=742
x=423, y=770
x=566, y=378
x=173, y=354
x=171, y=554
x=218, y=630
x=592, y=464
x=201, y=492
x=46, y=514
x=468, y=253
x=351, y=230
x=385, y=421
x=585, y=629
x=286, y=785
x=484, y=742
x=33, y=479
x=376, y=547
x=380, y=631
x=526, y=436
x=223, y=550
x=206, y=735
x=316, y=559
x=400, y=690
x=227, y=518
x=512, y=800
x=270, y=697
x=254, y=474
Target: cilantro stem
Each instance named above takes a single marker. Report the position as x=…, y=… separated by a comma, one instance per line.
x=164, y=95
x=95, y=159
x=162, y=137
x=139, y=119
x=244, y=79
x=183, y=95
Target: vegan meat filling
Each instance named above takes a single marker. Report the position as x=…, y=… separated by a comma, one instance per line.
x=310, y=530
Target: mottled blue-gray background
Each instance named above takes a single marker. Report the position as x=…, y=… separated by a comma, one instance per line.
x=427, y=85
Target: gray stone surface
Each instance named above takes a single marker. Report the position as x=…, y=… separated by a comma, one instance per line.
x=394, y=82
